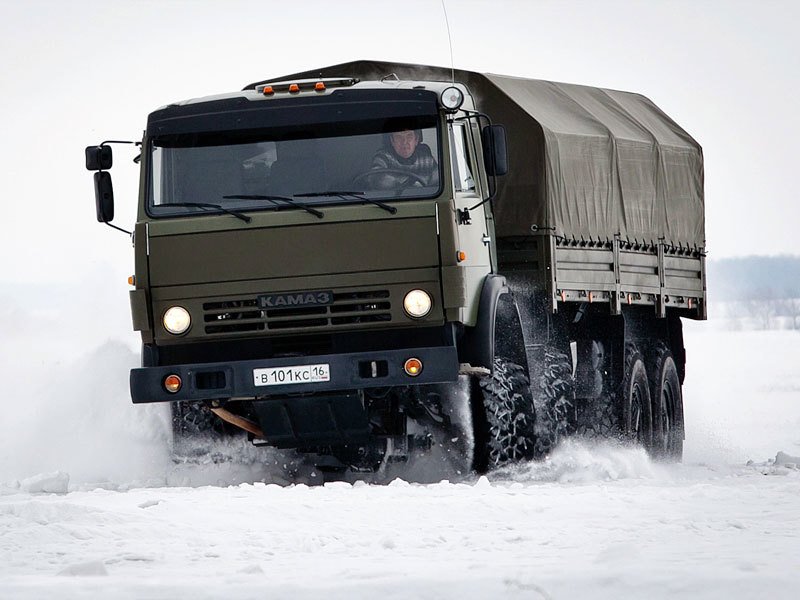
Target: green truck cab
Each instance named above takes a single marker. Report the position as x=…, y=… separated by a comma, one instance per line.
x=513, y=274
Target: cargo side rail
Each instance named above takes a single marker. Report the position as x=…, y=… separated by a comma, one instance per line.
x=615, y=272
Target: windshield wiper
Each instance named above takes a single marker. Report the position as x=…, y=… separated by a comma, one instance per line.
x=219, y=207
x=275, y=199
x=346, y=195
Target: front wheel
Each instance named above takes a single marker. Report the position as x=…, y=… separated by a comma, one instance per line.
x=504, y=417
x=195, y=428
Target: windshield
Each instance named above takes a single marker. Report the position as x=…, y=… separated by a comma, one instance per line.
x=291, y=169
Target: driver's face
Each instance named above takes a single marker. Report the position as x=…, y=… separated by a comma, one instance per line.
x=404, y=142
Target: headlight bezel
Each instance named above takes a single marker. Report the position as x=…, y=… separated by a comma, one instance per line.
x=409, y=303
x=173, y=319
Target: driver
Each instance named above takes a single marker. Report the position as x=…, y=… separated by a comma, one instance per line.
x=403, y=152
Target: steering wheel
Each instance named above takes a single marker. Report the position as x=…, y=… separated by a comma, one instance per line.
x=401, y=176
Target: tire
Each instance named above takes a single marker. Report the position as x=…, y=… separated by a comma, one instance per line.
x=634, y=395
x=667, y=402
x=191, y=418
x=553, y=397
x=193, y=427
x=596, y=417
x=504, y=417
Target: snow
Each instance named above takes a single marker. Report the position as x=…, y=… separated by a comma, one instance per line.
x=742, y=394
x=785, y=460
x=53, y=483
x=657, y=532
x=90, y=502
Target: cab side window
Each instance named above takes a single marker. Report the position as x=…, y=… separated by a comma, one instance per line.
x=461, y=158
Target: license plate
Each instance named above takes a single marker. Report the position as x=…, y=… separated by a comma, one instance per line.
x=291, y=375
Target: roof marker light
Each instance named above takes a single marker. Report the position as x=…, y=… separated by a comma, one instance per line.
x=319, y=86
x=268, y=90
x=294, y=88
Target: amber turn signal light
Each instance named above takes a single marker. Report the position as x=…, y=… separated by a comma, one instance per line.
x=413, y=367
x=172, y=383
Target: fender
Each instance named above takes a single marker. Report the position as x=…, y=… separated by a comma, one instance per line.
x=477, y=345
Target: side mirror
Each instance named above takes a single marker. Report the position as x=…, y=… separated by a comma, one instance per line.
x=103, y=195
x=98, y=158
x=495, y=152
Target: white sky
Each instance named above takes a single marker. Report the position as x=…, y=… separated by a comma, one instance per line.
x=77, y=73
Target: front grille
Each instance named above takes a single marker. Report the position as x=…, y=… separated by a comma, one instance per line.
x=348, y=308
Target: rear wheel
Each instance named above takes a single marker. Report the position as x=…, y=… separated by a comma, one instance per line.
x=553, y=395
x=667, y=400
x=595, y=414
x=635, y=398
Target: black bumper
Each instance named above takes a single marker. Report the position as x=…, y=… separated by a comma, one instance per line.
x=225, y=380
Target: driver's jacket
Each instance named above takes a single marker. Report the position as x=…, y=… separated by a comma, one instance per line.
x=420, y=164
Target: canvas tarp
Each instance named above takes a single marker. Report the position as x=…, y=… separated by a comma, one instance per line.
x=587, y=163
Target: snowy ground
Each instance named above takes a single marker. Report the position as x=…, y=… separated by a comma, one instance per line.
x=120, y=520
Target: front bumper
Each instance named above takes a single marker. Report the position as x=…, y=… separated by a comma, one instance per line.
x=235, y=380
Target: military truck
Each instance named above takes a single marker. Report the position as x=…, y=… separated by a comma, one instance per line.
x=290, y=286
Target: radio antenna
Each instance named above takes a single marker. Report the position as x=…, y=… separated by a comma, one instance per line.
x=450, y=41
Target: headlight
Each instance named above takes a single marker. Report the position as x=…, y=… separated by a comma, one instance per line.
x=452, y=98
x=417, y=303
x=177, y=320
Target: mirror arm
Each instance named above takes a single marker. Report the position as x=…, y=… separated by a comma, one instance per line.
x=118, y=228
x=488, y=198
x=136, y=159
x=119, y=142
